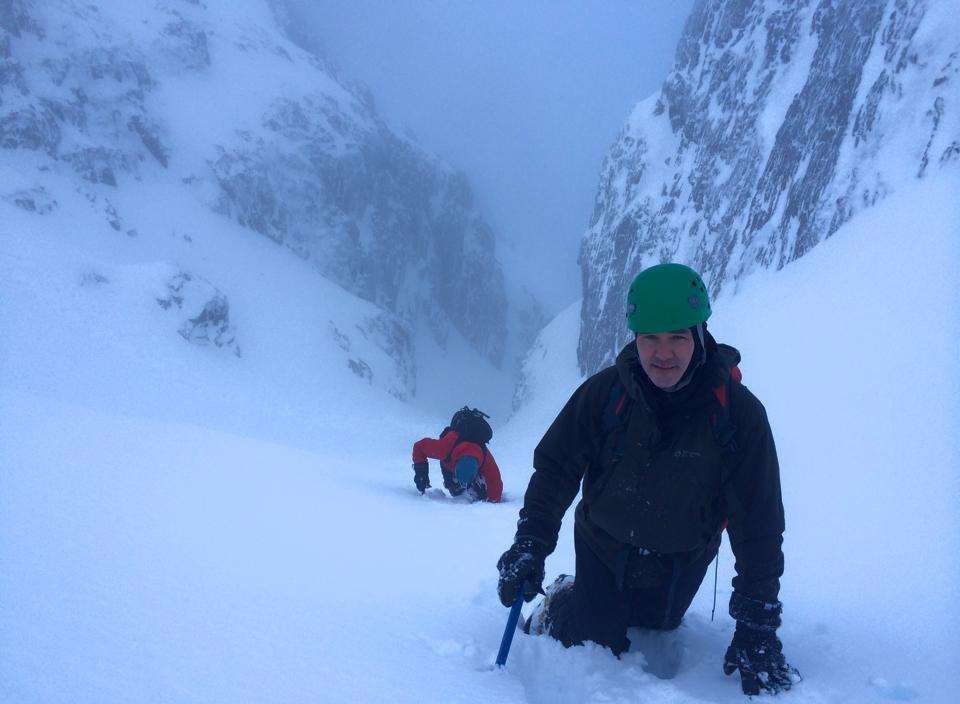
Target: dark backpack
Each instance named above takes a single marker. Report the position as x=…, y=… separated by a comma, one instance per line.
x=471, y=426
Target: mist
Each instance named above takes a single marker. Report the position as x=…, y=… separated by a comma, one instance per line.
x=524, y=97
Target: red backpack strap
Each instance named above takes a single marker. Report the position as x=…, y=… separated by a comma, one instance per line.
x=722, y=392
x=619, y=406
x=723, y=428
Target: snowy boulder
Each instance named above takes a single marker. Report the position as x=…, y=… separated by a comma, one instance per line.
x=33, y=200
x=207, y=309
x=212, y=326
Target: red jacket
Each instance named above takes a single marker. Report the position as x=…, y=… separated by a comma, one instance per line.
x=448, y=451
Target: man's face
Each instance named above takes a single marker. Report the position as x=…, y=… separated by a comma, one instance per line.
x=665, y=356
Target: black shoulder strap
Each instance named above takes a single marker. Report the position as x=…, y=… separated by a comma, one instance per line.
x=725, y=431
x=721, y=420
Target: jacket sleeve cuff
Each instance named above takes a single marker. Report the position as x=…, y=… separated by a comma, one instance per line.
x=533, y=532
x=755, y=614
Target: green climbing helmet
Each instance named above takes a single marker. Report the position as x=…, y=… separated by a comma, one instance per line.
x=667, y=297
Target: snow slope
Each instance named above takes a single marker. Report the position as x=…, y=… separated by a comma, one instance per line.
x=182, y=525
x=171, y=118
x=168, y=510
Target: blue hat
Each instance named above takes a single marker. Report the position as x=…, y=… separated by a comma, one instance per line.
x=466, y=471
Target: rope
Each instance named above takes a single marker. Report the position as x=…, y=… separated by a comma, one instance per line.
x=716, y=569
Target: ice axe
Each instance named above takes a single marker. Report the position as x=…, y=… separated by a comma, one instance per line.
x=511, y=627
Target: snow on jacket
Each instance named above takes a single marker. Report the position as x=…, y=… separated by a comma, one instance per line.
x=449, y=451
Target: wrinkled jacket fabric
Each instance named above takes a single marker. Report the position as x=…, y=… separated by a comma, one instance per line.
x=743, y=484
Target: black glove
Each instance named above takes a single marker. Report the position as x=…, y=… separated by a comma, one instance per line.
x=451, y=484
x=521, y=564
x=756, y=651
x=421, y=476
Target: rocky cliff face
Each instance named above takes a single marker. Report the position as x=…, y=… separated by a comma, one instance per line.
x=373, y=212
x=224, y=108
x=779, y=121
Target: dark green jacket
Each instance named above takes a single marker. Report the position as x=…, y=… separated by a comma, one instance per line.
x=656, y=476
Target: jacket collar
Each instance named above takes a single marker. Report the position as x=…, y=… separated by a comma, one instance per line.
x=640, y=388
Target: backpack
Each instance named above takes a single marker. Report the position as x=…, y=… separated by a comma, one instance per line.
x=471, y=426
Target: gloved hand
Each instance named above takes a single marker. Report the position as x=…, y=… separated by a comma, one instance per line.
x=759, y=657
x=521, y=564
x=756, y=651
x=451, y=484
x=421, y=476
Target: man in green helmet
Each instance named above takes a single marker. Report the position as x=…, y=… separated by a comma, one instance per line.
x=670, y=448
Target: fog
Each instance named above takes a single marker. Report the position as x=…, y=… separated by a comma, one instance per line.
x=524, y=97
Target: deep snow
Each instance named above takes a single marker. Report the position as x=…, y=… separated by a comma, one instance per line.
x=182, y=525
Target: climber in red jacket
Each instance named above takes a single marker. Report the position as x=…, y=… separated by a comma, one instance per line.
x=466, y=463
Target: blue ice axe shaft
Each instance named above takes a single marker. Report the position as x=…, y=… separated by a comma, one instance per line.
x=511, y=628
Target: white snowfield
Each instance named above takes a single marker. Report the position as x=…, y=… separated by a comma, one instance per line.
x=179, y=524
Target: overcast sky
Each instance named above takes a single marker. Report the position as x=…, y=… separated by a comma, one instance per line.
x=524, y=96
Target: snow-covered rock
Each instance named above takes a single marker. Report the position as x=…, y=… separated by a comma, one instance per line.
x=258, y=129
x=387, y=337
x=207, y=311
x=779, y=121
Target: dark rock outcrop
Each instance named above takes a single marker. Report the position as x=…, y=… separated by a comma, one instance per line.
x=86, y=92
x=778, y=122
